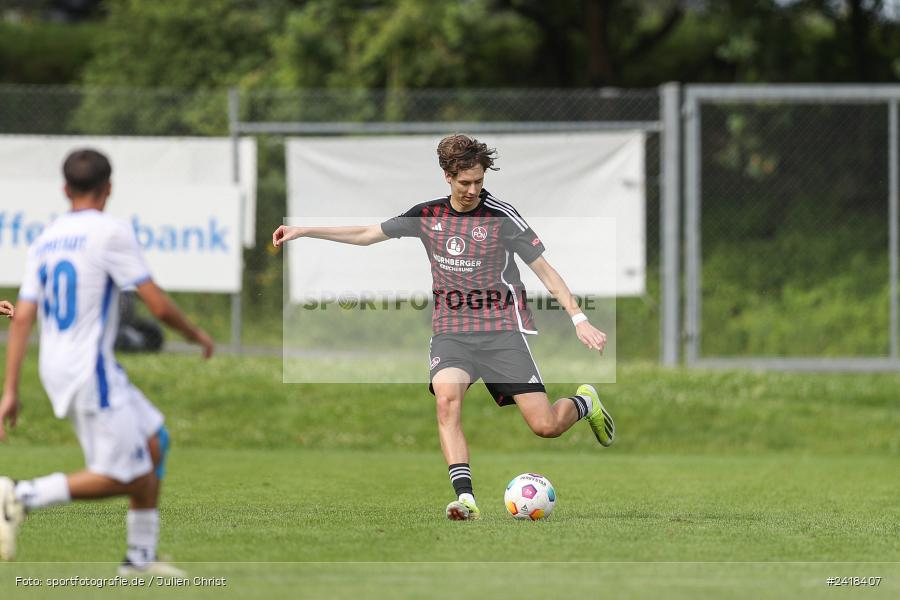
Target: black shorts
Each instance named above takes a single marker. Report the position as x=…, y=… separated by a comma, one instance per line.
x=502, y=359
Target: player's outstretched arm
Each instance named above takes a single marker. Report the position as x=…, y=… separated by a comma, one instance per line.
x=589, y=335
x=163, y=308
x=15, y=354
x=7, y=309
x=358, y=235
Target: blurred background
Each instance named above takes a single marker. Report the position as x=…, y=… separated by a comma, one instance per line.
x=767, y=184
x=795, y=259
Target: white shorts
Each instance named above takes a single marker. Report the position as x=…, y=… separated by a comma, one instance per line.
x=114, y=439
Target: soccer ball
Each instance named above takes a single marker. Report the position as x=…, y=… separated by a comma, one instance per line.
x=530, y=496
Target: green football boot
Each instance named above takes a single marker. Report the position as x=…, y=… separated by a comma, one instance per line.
x=463, y=510
x=600, y=421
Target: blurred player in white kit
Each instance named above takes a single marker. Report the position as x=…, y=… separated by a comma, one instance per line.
x=74, y=273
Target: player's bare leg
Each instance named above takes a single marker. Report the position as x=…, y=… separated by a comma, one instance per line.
x=145, y=516
x=450, y=387
x=546, y=420
x=551, y=421
x=143, y=492
x=59, y=489
x=87, y=485
x=148, y=496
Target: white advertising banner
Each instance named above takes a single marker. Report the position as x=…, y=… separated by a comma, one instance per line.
x=583, y=194
x=189, y=234
x=141, y=162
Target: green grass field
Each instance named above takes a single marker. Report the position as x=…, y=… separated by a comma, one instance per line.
x=720, y=485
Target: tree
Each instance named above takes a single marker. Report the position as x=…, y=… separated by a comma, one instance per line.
x=188, y=45
x=399, y=44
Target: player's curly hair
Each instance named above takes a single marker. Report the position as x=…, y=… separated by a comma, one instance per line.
x=459, y=152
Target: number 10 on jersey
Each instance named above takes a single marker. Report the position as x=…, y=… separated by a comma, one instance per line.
x=60, y=299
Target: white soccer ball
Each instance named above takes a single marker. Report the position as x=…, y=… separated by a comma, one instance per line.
x=530, y=496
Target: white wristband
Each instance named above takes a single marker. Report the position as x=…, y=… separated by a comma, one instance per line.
x=579, y=318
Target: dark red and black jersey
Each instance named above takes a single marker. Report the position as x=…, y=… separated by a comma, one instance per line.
x=476, y=282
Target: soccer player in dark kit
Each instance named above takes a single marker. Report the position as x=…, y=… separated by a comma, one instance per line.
x=481, y=315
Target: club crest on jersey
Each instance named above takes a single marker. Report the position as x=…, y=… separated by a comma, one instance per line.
x=479, y=234
x=435, y=361
x=535, y=242
x=456, y=246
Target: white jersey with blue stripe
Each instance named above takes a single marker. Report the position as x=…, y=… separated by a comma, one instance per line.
x=74, y=272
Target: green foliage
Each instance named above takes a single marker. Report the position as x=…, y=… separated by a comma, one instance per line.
x=794, y=232
x=171, y=44
x=799, y=295
x=45, y=52
x=176, y=44
x=777, y=190
x=123, y=111
x=240, y=402
x=400, y=44
x=405, y=44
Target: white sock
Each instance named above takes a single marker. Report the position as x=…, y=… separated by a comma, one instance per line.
x=143, y=534
x=468, y=497
x=590, y=403
x=43, y=491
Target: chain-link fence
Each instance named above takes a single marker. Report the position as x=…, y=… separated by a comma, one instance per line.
x=792, y=191
x=490, y=106
x=272, y=115
x=52, y=110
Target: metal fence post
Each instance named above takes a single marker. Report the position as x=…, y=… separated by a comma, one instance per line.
x=233, y=127
x=893, y=202
x=692, y=228
x=695, y=96
x=669, y=214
